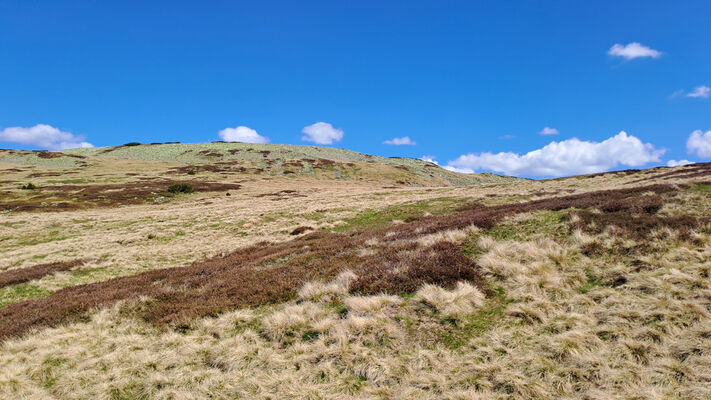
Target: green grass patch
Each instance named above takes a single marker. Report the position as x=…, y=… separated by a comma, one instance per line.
x=463, y=330
x=548, y=224
x=381, y=217
x=17, y=293
x=592, y=282
x=702, y=188
x=53, y=236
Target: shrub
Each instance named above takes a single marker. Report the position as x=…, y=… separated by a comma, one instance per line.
x=192, y=172
x=132, y=144
x=29, y=186
x=180, y=188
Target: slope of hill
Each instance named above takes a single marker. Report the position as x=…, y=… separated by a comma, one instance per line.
x=271, y=159
x=312, y=286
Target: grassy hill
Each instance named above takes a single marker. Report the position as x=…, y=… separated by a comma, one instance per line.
x=271, y=159
x=263, y=283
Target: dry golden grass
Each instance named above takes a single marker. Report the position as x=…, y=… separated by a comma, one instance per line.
x=645, y=338
x=575, y=313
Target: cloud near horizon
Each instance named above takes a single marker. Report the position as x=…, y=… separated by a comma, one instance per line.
x=321, y=133
x=567, y=157
x=431, y=159
x=400, y=141
x=678, y=163
x=633, y=50
x=699, y=143
x=43, y=136
x=242, y=134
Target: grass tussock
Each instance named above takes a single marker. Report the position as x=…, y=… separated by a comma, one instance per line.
x=462, y=300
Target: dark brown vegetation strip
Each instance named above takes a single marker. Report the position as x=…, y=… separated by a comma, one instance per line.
x=21, y=275
x=301, y=229
x=73, y=197
x=272, y=272
x=697, y=170
x=56, y=154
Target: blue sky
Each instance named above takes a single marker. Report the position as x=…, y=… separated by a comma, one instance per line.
x=470, y=83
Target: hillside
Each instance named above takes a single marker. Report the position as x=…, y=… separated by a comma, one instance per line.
x=387, y=278
x=255, y=159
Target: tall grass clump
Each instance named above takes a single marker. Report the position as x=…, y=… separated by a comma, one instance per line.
x=180, y=188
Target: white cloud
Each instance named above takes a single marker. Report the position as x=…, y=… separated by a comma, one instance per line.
x=460, y=170
x=678, y=163
x=321, y=133
x=633, y=50
x=44, y=136
x=701, y=92
x=431, y=159
x=549, y=131
x=568, y=157
x=242, y=134
x=677, y=93
x=699, y=143
x=400, y=141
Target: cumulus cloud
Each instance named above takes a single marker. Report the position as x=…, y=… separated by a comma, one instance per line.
x=549, y=131
x=242, y=134
x=321, y=133
x=633, y=50
x=568, y=157
x=400, y=141
x=702, y=92
x=43, y=136
x=457, y=169
x=678, y=163
x=699, y=143
x=431, y=159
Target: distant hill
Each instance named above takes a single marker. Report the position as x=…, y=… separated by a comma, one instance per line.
x=271, y=159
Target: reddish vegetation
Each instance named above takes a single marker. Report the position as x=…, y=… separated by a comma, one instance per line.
x=691, y=171
x=271, y=273
x=72, y=197
x=261, y=274
x=56, y=154
x=21, y=275
x=210, y=153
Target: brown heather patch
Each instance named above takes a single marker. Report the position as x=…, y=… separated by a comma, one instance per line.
x=56, y=154
x=257, y=275
x=73, y=197
x=21, y=275
x=281, y=195
x=301, y=229
x=209, y=153
x=697, y=170
x=630, y=199
x=270, y=273
x=50, y=174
